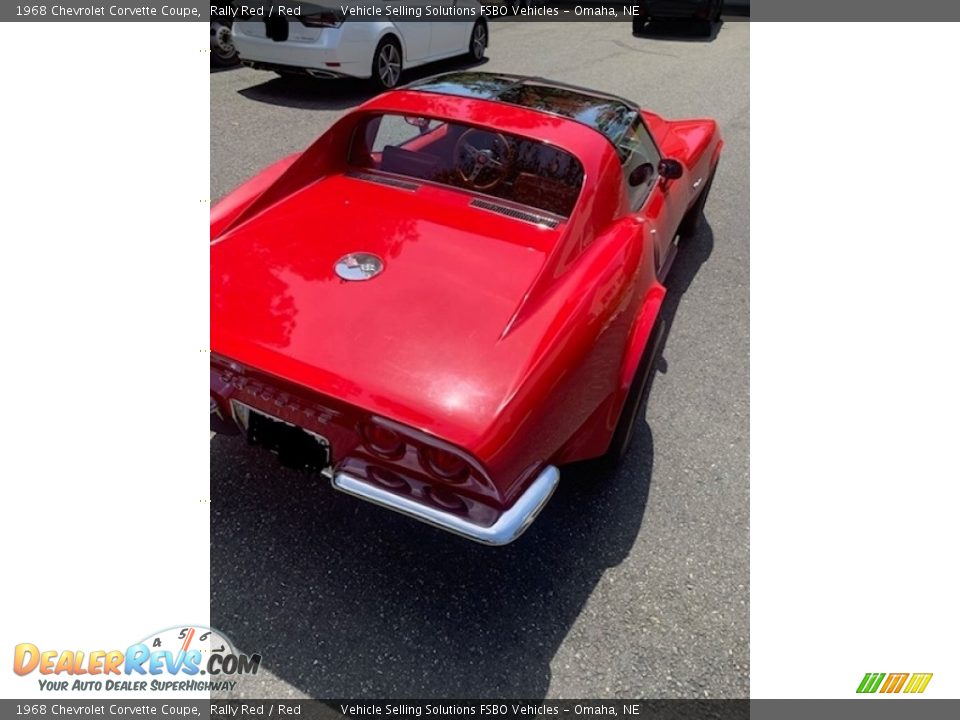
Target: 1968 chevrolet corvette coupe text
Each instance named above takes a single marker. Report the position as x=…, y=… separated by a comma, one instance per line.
x=453, y=292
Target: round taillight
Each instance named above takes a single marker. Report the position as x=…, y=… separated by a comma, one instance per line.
x=387, y=479
x=447, y=500
x=445, y=464
x=381, y=440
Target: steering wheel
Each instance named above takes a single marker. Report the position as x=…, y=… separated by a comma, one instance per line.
x=482, y=159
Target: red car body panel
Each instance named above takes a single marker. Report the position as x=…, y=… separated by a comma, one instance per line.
x=509, y=344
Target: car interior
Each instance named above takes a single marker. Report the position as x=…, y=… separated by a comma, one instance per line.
x=508, y=167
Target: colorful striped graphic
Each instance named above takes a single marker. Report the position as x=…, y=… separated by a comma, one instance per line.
x=918, y=683
x=894, y=682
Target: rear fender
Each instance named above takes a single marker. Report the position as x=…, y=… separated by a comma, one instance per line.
x=592, y=438
x=323, y=157
x=225, y=211
x=640, y=334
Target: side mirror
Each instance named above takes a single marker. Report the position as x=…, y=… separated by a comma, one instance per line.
x=670, y=169
x=640, y=175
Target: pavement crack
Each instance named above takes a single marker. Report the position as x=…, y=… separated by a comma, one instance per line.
x=635, y=49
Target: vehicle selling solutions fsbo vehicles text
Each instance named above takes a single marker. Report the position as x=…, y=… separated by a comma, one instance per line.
x=438, y=10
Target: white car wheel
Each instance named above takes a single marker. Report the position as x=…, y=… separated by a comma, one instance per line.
x=478, y=41
x=387, y=64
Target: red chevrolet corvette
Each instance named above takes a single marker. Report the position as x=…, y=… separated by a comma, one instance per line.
x=453, y=292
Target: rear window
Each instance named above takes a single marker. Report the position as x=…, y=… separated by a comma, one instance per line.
x=505, y=166
x=604, y=113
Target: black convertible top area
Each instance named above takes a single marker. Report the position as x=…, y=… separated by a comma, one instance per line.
x=608, y=114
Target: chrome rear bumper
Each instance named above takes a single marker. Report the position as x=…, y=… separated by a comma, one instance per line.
x=508, y=527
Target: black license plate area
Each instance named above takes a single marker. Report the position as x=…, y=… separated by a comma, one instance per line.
x=277, y=28
x=294, y=446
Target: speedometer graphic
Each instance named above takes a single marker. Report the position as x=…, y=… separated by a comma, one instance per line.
x=193, y=651
x=186, y=638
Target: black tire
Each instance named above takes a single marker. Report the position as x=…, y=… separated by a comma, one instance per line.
x=387, y=64
x=634, y=404
x=639, y=25
x=479, y=37
x=706, y=26
x=691, y=221
x=222, y=51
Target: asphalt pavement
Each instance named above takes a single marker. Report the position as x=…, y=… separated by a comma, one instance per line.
x=634, y=587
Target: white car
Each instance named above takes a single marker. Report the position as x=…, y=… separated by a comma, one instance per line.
x=322, y=45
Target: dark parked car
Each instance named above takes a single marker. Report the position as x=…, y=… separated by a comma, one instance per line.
x=706, y=11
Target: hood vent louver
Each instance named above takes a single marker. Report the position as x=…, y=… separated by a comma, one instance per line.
x=383, y=180
x=525, y=216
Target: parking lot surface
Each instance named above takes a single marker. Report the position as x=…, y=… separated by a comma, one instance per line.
x=636, y=586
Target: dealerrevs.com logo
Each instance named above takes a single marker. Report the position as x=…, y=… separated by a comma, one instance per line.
x=189, y=658
x=910, y=683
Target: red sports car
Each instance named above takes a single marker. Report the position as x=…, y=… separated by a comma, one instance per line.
x=454, y=292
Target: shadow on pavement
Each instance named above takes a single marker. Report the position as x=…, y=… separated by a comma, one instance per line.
x=694, y=251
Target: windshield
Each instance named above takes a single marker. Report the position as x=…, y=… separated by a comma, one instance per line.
x=520, y=170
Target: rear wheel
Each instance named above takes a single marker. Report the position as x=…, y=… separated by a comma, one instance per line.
x=222, y=51
x=478, y=42
x=633, y=405
x=387, y=64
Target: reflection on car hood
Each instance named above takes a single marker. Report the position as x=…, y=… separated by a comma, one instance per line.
x=422, y=335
